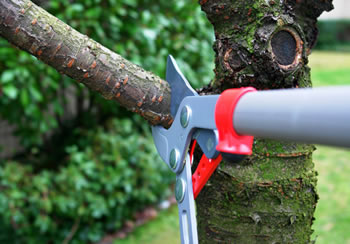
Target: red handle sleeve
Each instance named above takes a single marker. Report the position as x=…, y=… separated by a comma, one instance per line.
x=229, y=140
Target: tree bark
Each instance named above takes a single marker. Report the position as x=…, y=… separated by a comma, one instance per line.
x=34, y=30
x=270, y=197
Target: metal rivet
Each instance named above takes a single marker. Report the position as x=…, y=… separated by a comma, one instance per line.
x=185, y=116
x=210, y=144
x=174, y=158
x=180, y=189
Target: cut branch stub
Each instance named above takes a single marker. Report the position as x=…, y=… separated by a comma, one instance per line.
x=283, y=47
x=286, y=48
x=262, y=43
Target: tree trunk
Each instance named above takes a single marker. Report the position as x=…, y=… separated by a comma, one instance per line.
x=34, y=30
x=268, y=198
x=271, y=196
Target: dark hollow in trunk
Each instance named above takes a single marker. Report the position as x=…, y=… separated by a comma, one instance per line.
x=284, y=47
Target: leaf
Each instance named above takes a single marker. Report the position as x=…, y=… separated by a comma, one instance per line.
x=10, y=91
x=35, y=93
x=7, y=76
x=77, y=7
x=24, y=97
x=150, y=34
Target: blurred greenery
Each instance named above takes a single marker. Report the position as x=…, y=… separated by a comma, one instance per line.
x=330, y=68
x=334, y=35
x=112, y=173
x=87, y=164
x=332, y=214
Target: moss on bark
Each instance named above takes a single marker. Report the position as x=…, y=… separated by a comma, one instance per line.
x=269, y=197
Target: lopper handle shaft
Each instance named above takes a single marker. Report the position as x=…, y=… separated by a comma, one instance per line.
x=317, y=115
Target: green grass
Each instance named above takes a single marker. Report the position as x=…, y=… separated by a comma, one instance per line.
x=164, y=229
x=332, y=224
x=330, y=68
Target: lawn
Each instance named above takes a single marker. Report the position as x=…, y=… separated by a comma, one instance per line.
x=332, y=224
x=332, y=215
x=164, y=229
x=330, y=68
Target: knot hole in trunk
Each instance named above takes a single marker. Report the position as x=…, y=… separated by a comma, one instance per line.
x=286, y=47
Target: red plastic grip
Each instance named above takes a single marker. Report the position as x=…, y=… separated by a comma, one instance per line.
x=229, y=140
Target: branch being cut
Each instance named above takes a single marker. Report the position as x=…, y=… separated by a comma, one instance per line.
x=37, y=32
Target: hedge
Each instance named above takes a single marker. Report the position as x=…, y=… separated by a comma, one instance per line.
x=86, y=164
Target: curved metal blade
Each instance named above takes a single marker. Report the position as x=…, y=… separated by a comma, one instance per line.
x=180, y=88
x=160, y=141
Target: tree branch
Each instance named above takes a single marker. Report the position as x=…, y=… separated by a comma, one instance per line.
x=37, y=32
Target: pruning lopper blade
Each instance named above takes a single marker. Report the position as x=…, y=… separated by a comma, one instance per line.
x=180, y=87
x=194, y=119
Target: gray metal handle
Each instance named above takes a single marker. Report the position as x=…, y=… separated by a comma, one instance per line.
x=317, y=115
x=185, y=200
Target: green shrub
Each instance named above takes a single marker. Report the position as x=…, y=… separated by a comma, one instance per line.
x=99, y=188
x=334, y=35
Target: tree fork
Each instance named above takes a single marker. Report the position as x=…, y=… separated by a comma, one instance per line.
x=271, y=196
x=34, y=30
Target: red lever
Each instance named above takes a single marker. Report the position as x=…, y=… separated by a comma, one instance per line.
x=205, y=169
x=229, y=140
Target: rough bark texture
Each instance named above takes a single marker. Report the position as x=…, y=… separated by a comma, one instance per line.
x=270, y=197
x=32, y=29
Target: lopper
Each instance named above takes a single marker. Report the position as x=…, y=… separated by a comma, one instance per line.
x=225, y=125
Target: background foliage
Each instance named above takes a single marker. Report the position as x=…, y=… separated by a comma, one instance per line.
x=334, y=35
x=86, y=163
